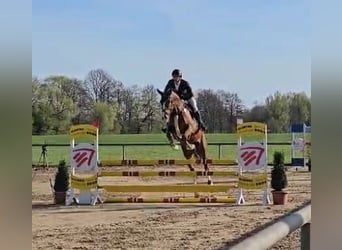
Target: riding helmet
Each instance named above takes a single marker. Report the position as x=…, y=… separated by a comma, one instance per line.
x=176, y=72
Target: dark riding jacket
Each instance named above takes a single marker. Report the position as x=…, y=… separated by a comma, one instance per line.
x=184, y=89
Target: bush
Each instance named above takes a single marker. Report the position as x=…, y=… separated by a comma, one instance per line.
x=62, y=178
x=278, y=174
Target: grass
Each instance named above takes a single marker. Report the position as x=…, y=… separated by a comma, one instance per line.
x=149, y=152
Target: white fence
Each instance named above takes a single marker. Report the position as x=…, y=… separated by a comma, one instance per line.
x=269, y=236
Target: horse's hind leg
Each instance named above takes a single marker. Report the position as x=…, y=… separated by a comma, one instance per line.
x=188, y=154
x=201, y=150
x=210, y=181
x=196, y=195
x=191, y=167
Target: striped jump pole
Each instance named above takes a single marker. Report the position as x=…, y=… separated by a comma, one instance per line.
x=167, y=173
x=169, y=189
x=171, y=200
x=169, y=162
x=166, y=188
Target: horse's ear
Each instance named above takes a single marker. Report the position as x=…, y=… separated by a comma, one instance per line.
x=160, y=92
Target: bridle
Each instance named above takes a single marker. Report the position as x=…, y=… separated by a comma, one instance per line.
x=170, y=107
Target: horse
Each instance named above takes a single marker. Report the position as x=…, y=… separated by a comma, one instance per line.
x=184, y=128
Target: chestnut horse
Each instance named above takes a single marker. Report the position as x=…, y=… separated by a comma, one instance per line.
x=184, y=128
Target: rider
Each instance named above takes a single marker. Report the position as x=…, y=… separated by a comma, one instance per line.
x=184, y=91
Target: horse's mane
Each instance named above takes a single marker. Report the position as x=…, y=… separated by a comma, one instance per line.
x=175, y=99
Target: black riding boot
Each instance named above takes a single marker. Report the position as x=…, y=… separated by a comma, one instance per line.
x=199, y=120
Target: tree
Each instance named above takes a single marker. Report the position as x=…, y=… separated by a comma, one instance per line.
x=145, y=109
x=99, y=84
x=213, y=113
x=278, y=108
x=300, y=108
x=233, y=107
x=52, y=110
x=105, y=114
x=258, y=113
x=73, y=88
x=61, y=109
x=59, y=101
x=38, y=117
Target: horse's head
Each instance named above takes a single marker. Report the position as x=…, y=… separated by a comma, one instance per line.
x=170, y=103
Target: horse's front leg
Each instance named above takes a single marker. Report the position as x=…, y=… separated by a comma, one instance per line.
x=171, y=140
x=169, y=137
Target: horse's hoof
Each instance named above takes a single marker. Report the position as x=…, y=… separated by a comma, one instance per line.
x=175, y=147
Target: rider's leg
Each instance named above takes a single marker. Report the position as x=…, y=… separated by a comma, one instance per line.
x=193, y=103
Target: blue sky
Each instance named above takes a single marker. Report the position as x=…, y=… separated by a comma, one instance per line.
x=249, y=47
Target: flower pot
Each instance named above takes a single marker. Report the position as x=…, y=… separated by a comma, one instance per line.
x=279, y=197
x=60, y=197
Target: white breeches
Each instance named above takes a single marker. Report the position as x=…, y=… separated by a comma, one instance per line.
x=193, y=103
